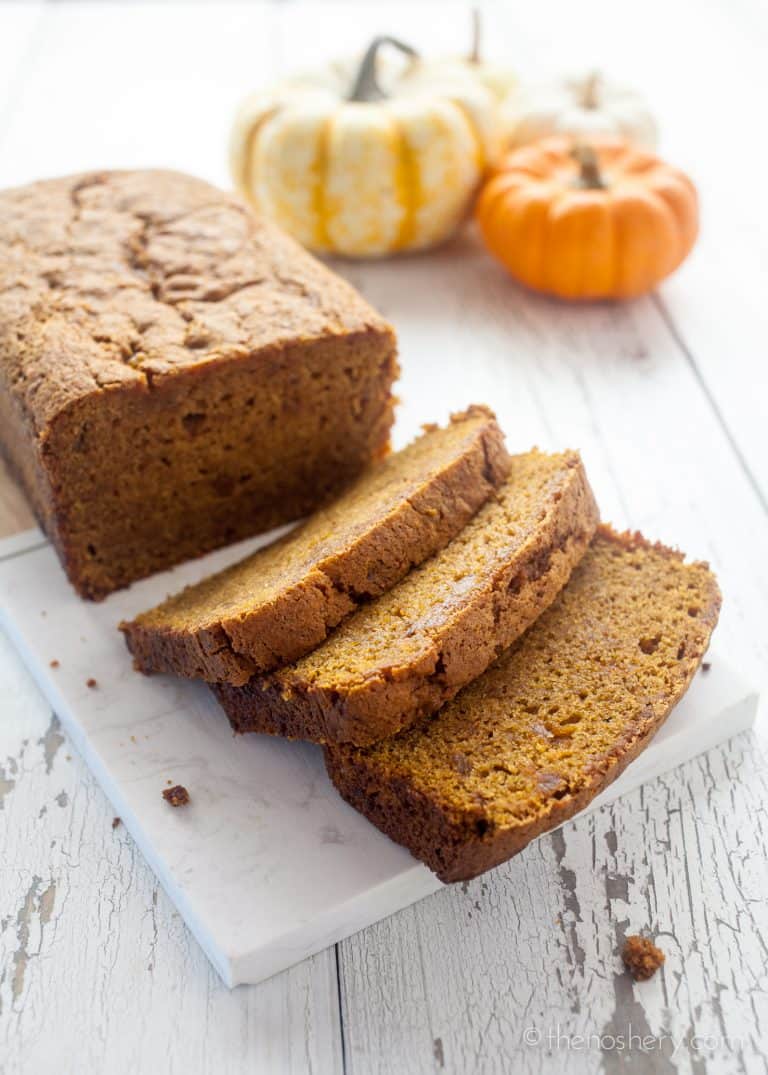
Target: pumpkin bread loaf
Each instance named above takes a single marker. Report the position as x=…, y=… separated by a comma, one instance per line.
x=555, y=720
x=175, y=373
x=409, y=651
x=282, y=601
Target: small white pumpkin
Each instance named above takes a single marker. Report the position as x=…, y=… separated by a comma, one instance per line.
x=349, y=167
x=584, y=107
x=496, y=77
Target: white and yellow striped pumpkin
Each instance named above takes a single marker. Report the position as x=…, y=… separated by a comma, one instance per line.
x=349, y=168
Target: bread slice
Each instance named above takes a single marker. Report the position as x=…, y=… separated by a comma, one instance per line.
x=406, y=653
x=282, y=601
x=556, y=719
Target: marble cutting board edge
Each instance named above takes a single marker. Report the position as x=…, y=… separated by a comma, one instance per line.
x=267, y=865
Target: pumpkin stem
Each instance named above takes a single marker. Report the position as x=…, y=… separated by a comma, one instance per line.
x=589, y=167
x=589, y=91
x=477, y=27
x=366, y=86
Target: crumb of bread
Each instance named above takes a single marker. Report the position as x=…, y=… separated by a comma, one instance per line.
x=177, y=795
x=706, y=665
x=54, y=663
x=641, y=957
x=115, y=822
x=91, y=683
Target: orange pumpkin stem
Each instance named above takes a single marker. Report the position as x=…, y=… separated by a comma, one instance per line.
x=589, y=177
x=366, y=86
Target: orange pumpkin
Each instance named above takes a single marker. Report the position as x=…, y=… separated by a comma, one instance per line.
x=597, y=221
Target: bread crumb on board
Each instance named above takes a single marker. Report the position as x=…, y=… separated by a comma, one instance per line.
x=54, y=663
x=641, y=957
x=115, y=822
x=92, y=683
x=177, y=795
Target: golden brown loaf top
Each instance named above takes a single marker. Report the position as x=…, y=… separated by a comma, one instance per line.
x=283, y=600
x=552, y=722
x=407, y=652
x=175, y=374
x=109, y=278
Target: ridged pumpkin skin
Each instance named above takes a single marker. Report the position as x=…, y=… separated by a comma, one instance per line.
x=557, y=235
x=582, y=106
x=366, y=178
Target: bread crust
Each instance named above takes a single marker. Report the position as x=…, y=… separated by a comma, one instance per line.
x=460, y=844
x=466, y=636
x=417, y=520
x=168, y=363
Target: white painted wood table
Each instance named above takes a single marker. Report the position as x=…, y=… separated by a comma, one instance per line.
x=666, y=398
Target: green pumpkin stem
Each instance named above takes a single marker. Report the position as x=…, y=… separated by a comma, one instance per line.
x=366, y=86
x=589, y=177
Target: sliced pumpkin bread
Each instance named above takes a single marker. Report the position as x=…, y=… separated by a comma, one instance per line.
x=283, y=600
x=556, y=719
x=412, y=649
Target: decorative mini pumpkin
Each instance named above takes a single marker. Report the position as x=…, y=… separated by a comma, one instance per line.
x=352, y=168
x=588, y=221
x=583, y=107
x=496, y=77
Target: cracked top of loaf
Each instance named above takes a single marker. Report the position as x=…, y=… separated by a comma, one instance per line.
x=109, y=278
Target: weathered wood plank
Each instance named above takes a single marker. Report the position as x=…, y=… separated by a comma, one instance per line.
x=125, y=85
x=454, y=983
x=615, y=382
x=448, y=985
x=707, y=125
x=97, y=970
x=610, y=380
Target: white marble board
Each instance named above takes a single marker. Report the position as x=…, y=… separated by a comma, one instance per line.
x=267, y=864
